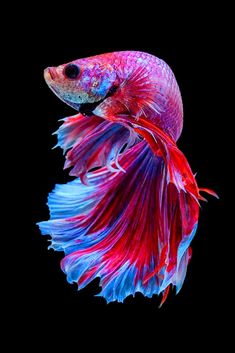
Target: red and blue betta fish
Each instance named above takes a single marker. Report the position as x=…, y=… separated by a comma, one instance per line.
x=132, y=212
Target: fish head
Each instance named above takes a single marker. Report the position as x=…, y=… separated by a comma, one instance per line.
x=81, y=81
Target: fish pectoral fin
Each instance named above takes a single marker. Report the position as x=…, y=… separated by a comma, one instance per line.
x=142, y=95
x=136, y=96
x=110, y=109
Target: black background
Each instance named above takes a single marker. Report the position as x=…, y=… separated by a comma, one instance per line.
x=194, y=49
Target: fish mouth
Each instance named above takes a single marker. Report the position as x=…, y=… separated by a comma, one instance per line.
x=50, y=74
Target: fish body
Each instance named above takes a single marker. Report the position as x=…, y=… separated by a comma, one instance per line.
x=132, y=211
x=147, y=86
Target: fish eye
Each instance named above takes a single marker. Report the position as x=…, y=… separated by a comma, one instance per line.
x=71, y=71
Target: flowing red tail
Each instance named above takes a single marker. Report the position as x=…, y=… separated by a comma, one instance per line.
x=131, y=222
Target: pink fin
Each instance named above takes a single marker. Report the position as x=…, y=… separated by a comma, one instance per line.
x=132, y=230
x=137, y=94
x=75, y=128
x=92, y=142
x=164, y=297
x=210, y=192
x=101, y=147
x=161, y=264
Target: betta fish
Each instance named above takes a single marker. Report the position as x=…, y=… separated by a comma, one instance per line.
x=132, y=211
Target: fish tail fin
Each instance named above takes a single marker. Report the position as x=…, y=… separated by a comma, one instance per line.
x=131, y=228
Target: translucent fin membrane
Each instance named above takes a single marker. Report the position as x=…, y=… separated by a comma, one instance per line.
x=132, y=229
x=93, y=142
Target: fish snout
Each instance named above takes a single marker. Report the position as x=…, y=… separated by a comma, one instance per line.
x=50, y=74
